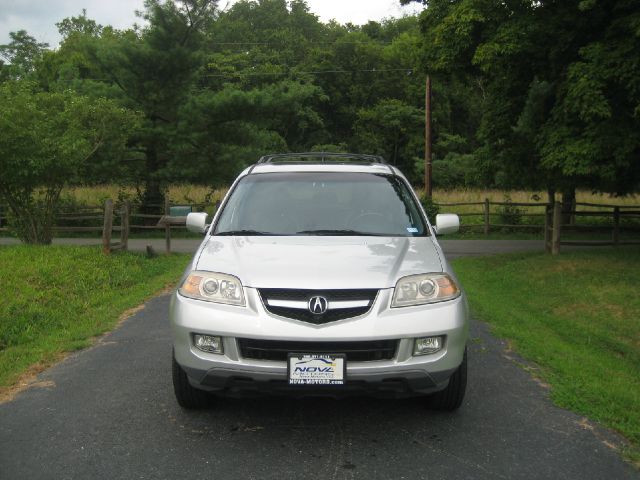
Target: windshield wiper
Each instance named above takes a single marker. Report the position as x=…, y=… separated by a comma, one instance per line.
x=233, y=233
x=354, y=233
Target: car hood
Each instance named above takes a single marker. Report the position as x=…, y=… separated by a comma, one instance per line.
x=318, y=262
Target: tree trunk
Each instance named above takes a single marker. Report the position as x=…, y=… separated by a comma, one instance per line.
x=551, y=194
x=153, y=197
x=31, y=223
x=568, y=205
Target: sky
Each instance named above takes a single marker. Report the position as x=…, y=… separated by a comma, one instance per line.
x=38, y=17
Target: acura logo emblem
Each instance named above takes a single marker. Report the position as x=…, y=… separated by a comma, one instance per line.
x=318, y=305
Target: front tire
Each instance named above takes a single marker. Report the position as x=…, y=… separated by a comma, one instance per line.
x=187, y=396
x=451, y=397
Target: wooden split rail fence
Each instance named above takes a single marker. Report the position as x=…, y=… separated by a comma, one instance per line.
x=553, y=226
x=116, y=221
x=174, y=216
x=122, y=218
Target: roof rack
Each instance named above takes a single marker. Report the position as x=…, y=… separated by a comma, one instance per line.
x=321, y=157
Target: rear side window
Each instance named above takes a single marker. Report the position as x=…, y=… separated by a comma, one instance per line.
x=313, y=203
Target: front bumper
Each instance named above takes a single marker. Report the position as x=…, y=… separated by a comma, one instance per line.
x=402, y=375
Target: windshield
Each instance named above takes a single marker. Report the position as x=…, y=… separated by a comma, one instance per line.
x=313, y=203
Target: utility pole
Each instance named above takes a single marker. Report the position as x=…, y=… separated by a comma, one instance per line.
x=427, y=139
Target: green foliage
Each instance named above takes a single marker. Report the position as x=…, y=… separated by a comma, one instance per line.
x=48, y=141
x=21, y=55
x=456, y=170
x=593, y=134
x=153, y=71
x=340, y=148
x=580, y=327
x=558, y=83
x=431, y=208
x=540, y=95
x=388, y=128
x=217, y=89
x=78, y=26
x=509, y=214
x=236, y=126
x=62, y=297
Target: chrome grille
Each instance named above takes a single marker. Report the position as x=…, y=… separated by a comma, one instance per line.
x=294, y=303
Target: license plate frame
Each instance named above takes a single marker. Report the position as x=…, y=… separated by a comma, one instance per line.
x=312, y=369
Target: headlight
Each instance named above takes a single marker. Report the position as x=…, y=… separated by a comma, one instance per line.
x=421, y=289
x=213, y=287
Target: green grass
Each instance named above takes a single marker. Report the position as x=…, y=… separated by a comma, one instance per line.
x=577, y=316
x=496, y=234
x=56, y=299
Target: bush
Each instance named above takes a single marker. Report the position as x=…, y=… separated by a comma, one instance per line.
x=430, y=207
x=510, y=214
x=456, y=170
x=48, y=139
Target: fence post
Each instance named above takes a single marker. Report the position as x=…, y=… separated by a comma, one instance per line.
x=548, y=222
x=616, y=226
x=557, y=223
x=107, y=226
x=124, y=231
x=167, y=225
x=486, y=216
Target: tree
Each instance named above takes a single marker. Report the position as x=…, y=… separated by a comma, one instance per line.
x=230, y=128
x=559, y=86
x=80, y=25
x=265, y=46
x=218, y=89
x=47, y=141
x=592, y=134
x=155, y=71
x=388, y=129
x=20, y=55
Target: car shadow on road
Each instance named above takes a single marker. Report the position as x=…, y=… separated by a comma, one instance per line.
x=505, y=428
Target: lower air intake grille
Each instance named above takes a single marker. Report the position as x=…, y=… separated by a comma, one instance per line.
x=277, y=350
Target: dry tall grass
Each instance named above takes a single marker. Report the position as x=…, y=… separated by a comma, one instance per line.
x=470, y=214
x=186, y=193
x=520, y=196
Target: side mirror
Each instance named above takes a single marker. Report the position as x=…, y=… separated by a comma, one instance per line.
x=197, y=222
x=447, y=223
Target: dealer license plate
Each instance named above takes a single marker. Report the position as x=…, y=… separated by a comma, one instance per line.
x=316, y=369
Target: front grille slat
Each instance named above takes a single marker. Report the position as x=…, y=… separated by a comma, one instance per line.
x=277, y=350
x=331, y=315
x=336, y=294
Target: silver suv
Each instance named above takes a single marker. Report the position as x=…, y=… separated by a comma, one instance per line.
x=320, y=275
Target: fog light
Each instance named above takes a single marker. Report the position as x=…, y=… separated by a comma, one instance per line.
x=427, y=345
x=208, y=343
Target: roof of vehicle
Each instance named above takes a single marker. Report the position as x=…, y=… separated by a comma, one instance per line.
x=322, y=162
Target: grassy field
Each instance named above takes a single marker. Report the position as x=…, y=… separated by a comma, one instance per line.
x=588, y=228
x=577, y=317
x=188, y=194
x=472, y=215
x=202, y=194
x=56, y=299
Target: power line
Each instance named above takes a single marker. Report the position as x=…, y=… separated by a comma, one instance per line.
x=279, y=44
x=408, y=71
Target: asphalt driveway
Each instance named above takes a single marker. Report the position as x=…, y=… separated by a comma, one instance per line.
x=109, y=412
x=453, y=248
